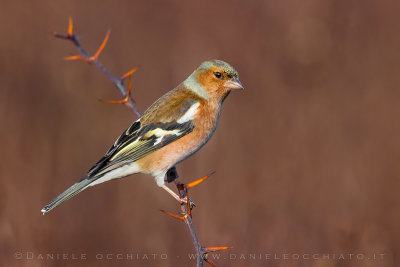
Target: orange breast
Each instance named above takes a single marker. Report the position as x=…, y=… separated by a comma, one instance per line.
x=161, y=160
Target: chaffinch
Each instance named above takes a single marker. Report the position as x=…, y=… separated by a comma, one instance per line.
x=172, y=129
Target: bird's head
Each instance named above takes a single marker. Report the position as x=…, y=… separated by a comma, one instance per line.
x=213, y=79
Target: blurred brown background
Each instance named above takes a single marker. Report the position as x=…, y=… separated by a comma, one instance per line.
x=306, y=157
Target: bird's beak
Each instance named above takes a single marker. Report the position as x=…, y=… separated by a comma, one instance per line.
x=234, y=84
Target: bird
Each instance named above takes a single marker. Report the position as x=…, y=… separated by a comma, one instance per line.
x=172, y=129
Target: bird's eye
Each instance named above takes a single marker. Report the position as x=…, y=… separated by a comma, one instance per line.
x=218, y=75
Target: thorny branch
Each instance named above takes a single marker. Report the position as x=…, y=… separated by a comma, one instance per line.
x=172, y=174
x=201, y=251
x=83, y=55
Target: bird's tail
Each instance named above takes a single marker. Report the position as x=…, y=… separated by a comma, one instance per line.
x=67, y=194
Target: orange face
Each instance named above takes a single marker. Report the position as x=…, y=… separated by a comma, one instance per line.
x=217, y=78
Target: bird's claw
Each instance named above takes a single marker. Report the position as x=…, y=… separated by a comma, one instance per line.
x=184, y=202
x=183, y=196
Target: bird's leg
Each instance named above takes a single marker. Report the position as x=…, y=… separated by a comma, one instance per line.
x=174, y=195
x=173, y=176
x=182, y=187
x=180, y=199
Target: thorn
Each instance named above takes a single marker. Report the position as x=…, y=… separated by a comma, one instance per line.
x=180, y=217
x=173, y=215
x=213, y=249
x=76, y=57
x=70, y=27
x=129, y=73
x=113, y=101
x=194, y=183
x=93, y=58
x=103, y=44
x=209, y=262
x=122, y=101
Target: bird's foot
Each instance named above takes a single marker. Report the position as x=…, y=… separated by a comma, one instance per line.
x=184, y=201
x=183, y=196
x=187, y=206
